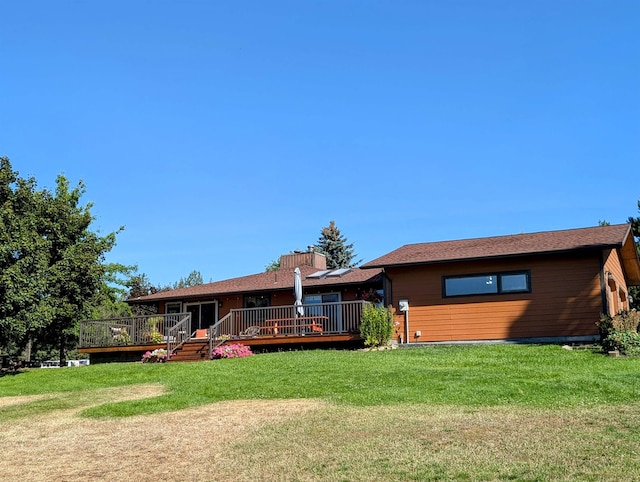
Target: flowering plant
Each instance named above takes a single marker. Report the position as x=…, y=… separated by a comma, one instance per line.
x=396, y=326
x=234, y=350
x=156, y=356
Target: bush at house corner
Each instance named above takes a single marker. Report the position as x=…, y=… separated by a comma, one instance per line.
x=376, y=327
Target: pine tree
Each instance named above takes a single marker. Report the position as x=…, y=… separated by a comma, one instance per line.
x=334, y=246
x=194, y=279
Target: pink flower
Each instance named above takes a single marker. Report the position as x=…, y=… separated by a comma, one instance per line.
x=235, y=350
x=156, y=356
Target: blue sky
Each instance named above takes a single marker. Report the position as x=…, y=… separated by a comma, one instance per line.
x=223, y=134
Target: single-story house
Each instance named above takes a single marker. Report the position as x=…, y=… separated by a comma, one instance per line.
x=208, y=303
x=259, y=309
x=548, y=285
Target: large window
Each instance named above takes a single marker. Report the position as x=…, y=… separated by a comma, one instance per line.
x=327, y=305
x=486, y=284
x=321, y=298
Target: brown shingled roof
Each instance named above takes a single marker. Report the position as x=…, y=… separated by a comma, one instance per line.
x=267, y=281
x=505, y=246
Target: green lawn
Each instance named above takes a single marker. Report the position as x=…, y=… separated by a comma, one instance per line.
x=471, y=376
x=471, y=413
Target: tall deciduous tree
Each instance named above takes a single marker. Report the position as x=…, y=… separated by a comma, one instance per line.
x=114, y=291
x=23, y=258
x=334, y=246
x=52, y=264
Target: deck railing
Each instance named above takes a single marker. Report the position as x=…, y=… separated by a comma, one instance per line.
x=135, y=330
x=175, y=329
x=332, y=318
x=178, y=334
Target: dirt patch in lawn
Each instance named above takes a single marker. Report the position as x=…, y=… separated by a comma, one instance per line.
x=183, y=445
x=21, y=400
x=309, y=440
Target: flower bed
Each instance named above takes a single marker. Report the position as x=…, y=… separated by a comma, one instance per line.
x=158, y=355
x=235, y=350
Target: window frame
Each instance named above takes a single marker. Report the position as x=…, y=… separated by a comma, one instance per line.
x=247, y=298
x=215, y=314
x=498, y=276
x=172, y=303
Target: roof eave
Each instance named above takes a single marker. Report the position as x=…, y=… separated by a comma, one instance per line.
x=498, y=256
x=156, y=297
x=630, y=260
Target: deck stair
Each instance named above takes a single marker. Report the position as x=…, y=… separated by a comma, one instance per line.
x=193, y=350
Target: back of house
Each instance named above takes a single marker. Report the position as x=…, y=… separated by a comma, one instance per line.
x=548, y=286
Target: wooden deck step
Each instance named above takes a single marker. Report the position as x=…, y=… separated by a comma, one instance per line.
x=195, y=350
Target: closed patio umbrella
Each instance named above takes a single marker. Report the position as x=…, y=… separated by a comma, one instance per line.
x=297, y=290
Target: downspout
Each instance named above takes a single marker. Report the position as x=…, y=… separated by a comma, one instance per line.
x=406, y=326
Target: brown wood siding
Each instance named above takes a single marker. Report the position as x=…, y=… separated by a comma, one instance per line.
x=616, y=287
x=613, y=265
x=293, y=260
x=565, y=300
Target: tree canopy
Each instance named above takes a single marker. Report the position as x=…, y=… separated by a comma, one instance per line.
x=273, y=266
x=634, y=291
x=194, y=279
x=334, y=246
x=52, y=270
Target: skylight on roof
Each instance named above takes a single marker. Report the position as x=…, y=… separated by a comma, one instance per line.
x=337, y=273
x=319, y=274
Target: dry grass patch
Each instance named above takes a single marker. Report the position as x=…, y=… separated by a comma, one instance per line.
x=21, y=400
x=313, y=440
x=444, y=443
x=183, y=445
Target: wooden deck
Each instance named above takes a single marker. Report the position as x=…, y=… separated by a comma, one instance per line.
x=198, y=349
x=263, y=329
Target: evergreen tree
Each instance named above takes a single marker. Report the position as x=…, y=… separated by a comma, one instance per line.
x=334, y=246
x=273, y=266
x=194, y=279
x=635, y=227
x=634, y=291
x=139, y=285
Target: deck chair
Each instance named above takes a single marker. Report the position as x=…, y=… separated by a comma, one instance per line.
x=201, y=333
x=250, y=332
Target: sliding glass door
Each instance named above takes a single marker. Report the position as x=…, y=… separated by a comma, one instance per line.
x=203, y=315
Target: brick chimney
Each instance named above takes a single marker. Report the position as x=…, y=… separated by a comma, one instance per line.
x=307, y=258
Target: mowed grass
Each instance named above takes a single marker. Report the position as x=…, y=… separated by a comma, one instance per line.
x=496, y=412
x=472, y=376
